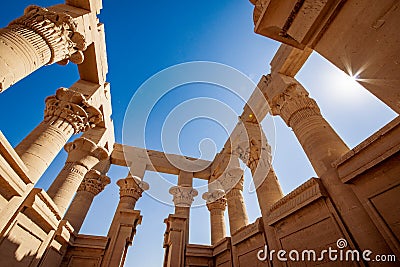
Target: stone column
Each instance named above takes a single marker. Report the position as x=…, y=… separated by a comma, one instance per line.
x=323, y=146
x=300, y=112
x=236, y=207
x=183, y=197
x=130, y=190
x=66, y=113
x=216, y=204
x=93, y=183
x=83, y=155
x=123, y=226
x=231, y=182
x=268, y=193
x=37, y=38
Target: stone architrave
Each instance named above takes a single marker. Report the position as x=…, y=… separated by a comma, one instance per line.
x=93, y=183
x=39, y=37
x=66, y=113
x=83, y=155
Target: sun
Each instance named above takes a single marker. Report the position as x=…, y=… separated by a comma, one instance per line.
x=346, y=86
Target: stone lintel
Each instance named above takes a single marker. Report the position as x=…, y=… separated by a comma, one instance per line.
x=41, y=209
x=124, y=155
x=248, y=231
x=222, y=246
x=289, y=60
x=375, y=149
x=91, y=241
x=12, y=158
x=90, y=5
x=302, y=196
x=297, y=23
x=195, y=250
x=65, y=233
x=95, y=67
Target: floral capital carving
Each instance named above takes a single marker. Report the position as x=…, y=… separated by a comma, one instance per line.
x=94, y=182
x=132, y=186
x=183, y=196
x=294, y=105
x=59, y=31
x=73, y=107
x=215, y=199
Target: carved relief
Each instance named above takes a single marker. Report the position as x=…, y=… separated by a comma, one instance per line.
x=183, y=196
x=254, y=149
x=73, y=107
x=213, y=195
x=94, y=182
x=58, y=30
x=231, y=178
x=294, y=105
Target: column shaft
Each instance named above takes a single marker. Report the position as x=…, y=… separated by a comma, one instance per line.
x=83, y=155
x=269, y=192
x=93, y=183
x=37, y=38
x=42, y=145
x=218, y=228
x=22, y=52
x=78, y=209
x=323, y=146
x=67, y=112
x=236, y=210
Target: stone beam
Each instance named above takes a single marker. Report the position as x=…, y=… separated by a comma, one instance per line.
x=90, y=5
x=124, y=155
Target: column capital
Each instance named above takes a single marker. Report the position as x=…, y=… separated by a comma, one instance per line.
x=213, y=195
x=85, y=152
x=132, y=186
x=215, y=199
x=59, y=31
x=183, y=196
x=94, y=182
x=230, y=179
x=253, y=147
x=294, y=104
x=74, y=108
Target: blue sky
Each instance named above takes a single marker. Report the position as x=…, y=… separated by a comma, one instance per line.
x=145, y=37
